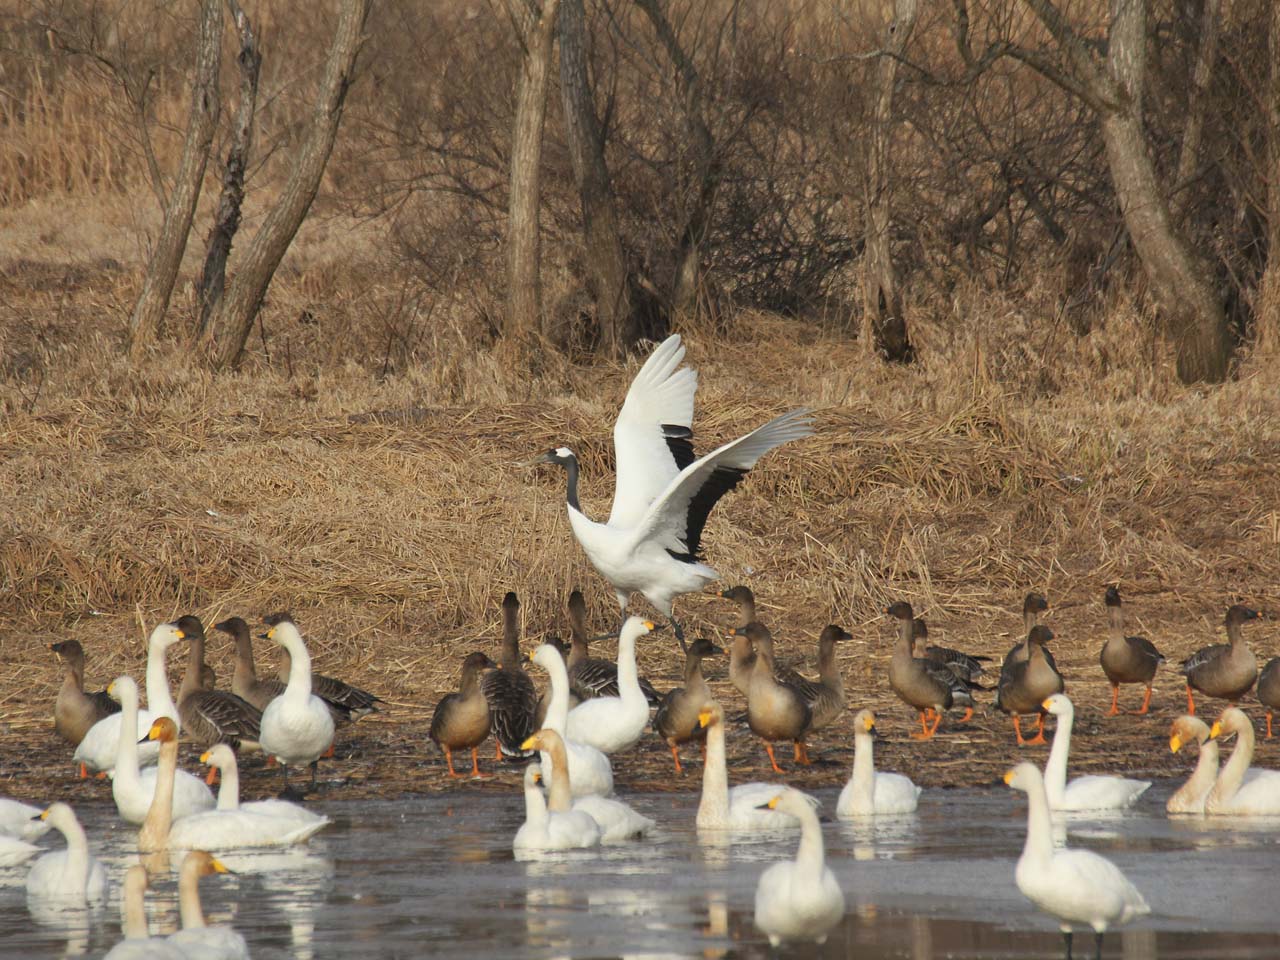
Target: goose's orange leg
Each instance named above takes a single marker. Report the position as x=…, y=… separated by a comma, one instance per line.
x=968, y=715
x=772, y=759
x=1146, y=702
x=675, y=755
x=1115, y=701
x=1268, y=724
x=802, y=753
x=475, y=762
x=1191, y=702
x=448, y=756
x=84, y=771
x=1039, y=737
x=924, y=722
x=928, y=731
x=497, y=750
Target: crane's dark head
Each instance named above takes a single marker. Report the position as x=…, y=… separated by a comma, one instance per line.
x=560, y=456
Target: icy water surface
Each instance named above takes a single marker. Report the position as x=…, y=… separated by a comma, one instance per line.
x=434, y=876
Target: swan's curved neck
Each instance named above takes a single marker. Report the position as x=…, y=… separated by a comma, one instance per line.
x=713, y=808
x=558, y=708
x=127, y=774
x=1055, y=768
x=189, y=895
x=1039, y=844
x=864, y=769
x=159, y=699
x=229, y=790
x=1198, y=785
x=77, y=848
x=154, y=834
x=559, y=795
x=299, y=685
x=1237, y=765
x=628, y=679
x=810, y=855
x=535, y=806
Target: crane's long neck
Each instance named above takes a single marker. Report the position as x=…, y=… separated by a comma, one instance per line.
x=132, y=906
x=713, y=808
x=811, y=855
x=559, y=794
x=189, y=895
x=1038, y=849
x=298, y=689
x=864, y=769
x=154, y=834
x=571, y=490
x=1234, y=769
x=1198, y=785
x=229, y=791
x=159, y=699
x=1055, y=768
x=127, y=774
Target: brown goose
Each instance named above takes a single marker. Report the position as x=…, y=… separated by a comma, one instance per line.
x=1226, y=671
x=75, y=711
x=1033, y=604
x=212, y=716
x=590, y=676
x=676, y=721
x=825, y=696
x=509, y=690
x=959, y=665
x=244, y=681
x=1026, y=684
x=1269, y=689
x=920, y=683
x=742, y=657
x=775, y=711
x=461, y=720
x=1126, y=659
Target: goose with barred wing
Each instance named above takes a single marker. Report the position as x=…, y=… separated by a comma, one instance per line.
x=663, y=495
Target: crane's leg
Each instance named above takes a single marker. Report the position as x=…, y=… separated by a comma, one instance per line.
x=1066, y=936
x=679, y=632
x=1097, y=945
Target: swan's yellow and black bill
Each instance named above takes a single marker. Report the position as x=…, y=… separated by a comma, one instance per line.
x=1175, y=743
x=1008, y=777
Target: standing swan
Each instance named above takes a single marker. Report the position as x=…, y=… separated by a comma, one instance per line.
x=742, y=807
x=1075, y=886
x=1089, y=792
x=196, y=939
x=663, y=496
x=611, y=724
x=869, y=791
x=1240, y=791
x=73, y=875
x=799, y=899
x=588, y=768
x=296, y=726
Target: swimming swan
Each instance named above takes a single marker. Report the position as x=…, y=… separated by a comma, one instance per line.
x=742, y=808
x=196, y=939
x=1089, y=792
x=870, y=791
x=799, y=899
x=72, y=875
x=1236, y=793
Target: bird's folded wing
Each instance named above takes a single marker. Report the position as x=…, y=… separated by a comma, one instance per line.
x=651, y=440
x=675, y=520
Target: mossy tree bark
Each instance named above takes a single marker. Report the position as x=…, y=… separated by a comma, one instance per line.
x=230, y=323
x=162, y=269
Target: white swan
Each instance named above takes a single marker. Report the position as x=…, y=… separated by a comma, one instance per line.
x=1075, y=886
x=742, y=808
x=799, y=899
x=133, y=788
x=1190, y=797
x=611, y=724
x=871, y=791
x=589, y=769
x=209, y=829
x=1236, y=793
x=138, y=944
x=616, y=820
x=297, y=726
x=544, y=829
x=195, y=939
x=223, y=758
x=21, y=820
x=1089, y=792
x=72, y=875
x=97, y=751
x=14, y=851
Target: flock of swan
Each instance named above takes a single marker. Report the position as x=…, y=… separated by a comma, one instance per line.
x=592, y=710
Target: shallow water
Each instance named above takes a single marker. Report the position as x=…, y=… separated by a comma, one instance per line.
x=435, y=876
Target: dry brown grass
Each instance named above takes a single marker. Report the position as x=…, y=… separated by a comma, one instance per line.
x=391, y=513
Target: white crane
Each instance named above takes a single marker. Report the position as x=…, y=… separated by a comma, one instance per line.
x=663, y=494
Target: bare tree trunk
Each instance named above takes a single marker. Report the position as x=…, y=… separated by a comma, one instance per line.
x=1195, y=320
x=166, y=258
x=687, y=279
x=227, y=218
x=232, y=320
x=602, y=243
x=536, y=30
x=884, y=328
x=1193, y=131
x=1268, y=320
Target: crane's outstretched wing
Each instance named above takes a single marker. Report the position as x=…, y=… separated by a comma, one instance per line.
x=675, y=520
x=652, y=440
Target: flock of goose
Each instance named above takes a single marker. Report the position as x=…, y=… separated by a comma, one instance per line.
x=592, y=709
